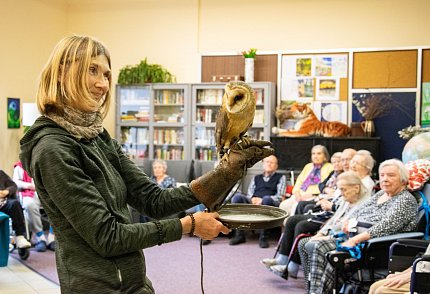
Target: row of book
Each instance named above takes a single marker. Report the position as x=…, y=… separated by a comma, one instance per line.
x=166, y=97
x=206, y=115
x=169, y=154
x=168, y=136
x=206, y=153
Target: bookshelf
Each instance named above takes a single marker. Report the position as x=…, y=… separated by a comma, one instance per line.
x=153, y=121
x=206, y=101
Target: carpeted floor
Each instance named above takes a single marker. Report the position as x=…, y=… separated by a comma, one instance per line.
x=175, y=268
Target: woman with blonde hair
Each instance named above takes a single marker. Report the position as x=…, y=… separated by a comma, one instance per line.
x=85, y=181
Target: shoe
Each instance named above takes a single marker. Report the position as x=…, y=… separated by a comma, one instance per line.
x=22, y=243
x=41, y=246
x=239, y=238
x=278, y=269
x=268, y=262
x=293, y=269
x=51, y=246
x=263, y=242
x=206, y=242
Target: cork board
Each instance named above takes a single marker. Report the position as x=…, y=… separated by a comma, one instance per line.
x=385, y=69
x=426, y=66
x=266, y=67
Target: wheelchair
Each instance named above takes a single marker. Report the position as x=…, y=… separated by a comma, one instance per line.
x=374, y=263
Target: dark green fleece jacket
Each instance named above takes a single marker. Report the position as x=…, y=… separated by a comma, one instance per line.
x=85, y=187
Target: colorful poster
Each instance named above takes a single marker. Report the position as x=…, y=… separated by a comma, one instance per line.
x=425, y=105
x=13, y=113
x=304, y=67
x=327, y=89
x=323, y=66
x=331, y=111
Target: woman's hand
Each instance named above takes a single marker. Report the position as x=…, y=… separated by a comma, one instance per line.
x=349, y=243
x=207, y=226
x=325, y=204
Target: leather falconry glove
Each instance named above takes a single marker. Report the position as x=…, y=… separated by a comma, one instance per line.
x=212, y=188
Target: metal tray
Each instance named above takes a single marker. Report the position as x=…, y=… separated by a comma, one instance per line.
x=251, y=217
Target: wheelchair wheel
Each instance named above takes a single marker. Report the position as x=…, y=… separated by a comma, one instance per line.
x=24, y=253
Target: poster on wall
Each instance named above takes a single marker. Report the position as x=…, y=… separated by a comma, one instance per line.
x=425, y=105
x=320, y=75
x=331, y=111
x=327, y=89
x=300, y=89
x=13, y=113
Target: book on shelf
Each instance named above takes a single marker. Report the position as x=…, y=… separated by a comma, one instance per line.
x=210, y=96
x=259, y=116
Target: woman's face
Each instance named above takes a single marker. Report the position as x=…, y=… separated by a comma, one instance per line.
x=158, y=170
x=357, y=165
x=337, y=163
x=318, y=156
x=98, y=77
x=349, y=192
x=389, y=180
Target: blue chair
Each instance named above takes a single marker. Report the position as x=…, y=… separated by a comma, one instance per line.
x=4, y=239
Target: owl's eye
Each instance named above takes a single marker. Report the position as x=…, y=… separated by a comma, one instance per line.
x=238, y=97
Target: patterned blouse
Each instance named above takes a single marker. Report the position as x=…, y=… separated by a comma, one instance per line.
x=168, y=182
x=395, y=215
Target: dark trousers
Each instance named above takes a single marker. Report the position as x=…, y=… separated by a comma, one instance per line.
x=266, y=200
x=296, y=225
x=14, y=209
x=304, y=206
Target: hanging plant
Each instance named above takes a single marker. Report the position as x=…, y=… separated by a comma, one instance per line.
x=143, y=73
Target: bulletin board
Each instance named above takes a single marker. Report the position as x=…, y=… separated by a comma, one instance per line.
x=320, y=80
x=385, y=69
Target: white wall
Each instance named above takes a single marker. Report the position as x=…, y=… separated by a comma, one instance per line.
x=174, y=33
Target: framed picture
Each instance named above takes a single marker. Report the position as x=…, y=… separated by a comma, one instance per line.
x=13, y=113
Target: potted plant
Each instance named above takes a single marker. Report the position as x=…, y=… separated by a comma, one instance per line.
x=144, y=73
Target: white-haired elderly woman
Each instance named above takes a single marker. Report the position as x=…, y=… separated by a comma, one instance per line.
x=160, y=176
x=362, y=163
x=306, y=186
x=389, y=211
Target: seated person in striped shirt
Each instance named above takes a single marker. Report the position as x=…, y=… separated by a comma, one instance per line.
x=264, y=189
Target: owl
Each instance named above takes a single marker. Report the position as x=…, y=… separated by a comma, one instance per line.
x=235, y=115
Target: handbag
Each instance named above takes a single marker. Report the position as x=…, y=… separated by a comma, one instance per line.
x=354, y=251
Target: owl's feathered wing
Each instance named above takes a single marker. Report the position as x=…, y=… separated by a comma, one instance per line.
x=235, y=116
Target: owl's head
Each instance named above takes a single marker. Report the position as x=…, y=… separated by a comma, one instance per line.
x=238, y=95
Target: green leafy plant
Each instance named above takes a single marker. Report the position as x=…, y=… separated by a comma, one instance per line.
x=143, y=73
x=251, y=53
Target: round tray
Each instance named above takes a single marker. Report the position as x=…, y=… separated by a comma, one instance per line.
x=251, y=217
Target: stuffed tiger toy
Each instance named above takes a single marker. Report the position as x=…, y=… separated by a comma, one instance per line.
x=309, y=125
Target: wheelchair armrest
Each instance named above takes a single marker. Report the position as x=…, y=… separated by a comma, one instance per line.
x=414, y=242
x=339, y=259
x=425, y=258
x=393, y=238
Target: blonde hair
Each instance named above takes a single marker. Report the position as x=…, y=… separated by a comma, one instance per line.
x=54, y=94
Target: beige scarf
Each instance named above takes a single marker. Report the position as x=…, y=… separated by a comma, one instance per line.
x=86, y=125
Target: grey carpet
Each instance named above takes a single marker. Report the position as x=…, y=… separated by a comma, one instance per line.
x=175, y=268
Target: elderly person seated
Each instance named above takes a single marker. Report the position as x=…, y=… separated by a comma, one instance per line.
x=160, y=176
x=306, y=185
x=264, y=189
x=363, y=163
x=162, y=179
x=353, y=192
x=327, y=187
x=391, y=210
x=11, y=206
